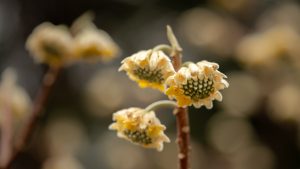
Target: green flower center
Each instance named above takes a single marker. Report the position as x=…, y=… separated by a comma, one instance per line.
x=153, y=76
x=198, y=89
x=140, y=137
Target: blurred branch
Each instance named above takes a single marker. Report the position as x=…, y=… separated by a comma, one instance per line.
x=40, y=101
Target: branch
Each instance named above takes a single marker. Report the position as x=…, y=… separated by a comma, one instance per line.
x=182, y=119
x=183, y=136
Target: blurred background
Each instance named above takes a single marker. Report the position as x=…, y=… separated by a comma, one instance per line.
x=255, y=42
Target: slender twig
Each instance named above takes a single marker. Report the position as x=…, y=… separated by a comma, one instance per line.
x=182, y=119
x=160, y=104
x=183, y=136
x=183, y=127
x=163, y=47
x=38, y=106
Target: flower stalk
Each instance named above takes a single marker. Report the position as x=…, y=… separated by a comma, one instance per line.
x=183, y=136
x=163, y=47
x=182, y=118
x=160, y=104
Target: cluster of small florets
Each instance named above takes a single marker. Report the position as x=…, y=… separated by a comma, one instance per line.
x=57, y=45
x=140, y=126
x=195, y=84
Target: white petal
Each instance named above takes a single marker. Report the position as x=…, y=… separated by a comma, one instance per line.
x=140, y=56
x=123, y=67
x=166, y=139
x=218, y=96
x=153, y=60
x=208, y=104
x=226, y=84
x=180, y=78
x=198, y=104
x=221, y=74
x=184, y=72
x=170, y=81
x=121, y=135
x=159, y=146
x=194, y=69
x=112, y=126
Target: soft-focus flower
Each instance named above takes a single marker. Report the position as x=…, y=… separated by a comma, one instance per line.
x=62, y=162
x=269, y=48
x=13, y=98
x=82, y=22
x=283, y=103
x=50, y=44
x=91, y=43
x=94, y=44
x=197, y=84
x=286, y=13
x=149, y=68
x=207, y=30
x=64, y=135
x=235, y=139
x=140, y=127
x=14, y=106
x=228, y=134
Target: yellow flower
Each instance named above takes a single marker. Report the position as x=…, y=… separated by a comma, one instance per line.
x=13, y=98
x=50, y=44
x=92, y=44
x=148, y=68
x=197, y=84
x=140, y=127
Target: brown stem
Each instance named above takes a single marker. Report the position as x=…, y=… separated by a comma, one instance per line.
x=38, y=106
x=182, y=120
x=183, y=136
x=176, y=60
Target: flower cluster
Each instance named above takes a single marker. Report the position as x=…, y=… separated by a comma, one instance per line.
x=58, y=45
x=140, y=127
x=195, y=84
x=13, y=98
x=50, y=44
x=149, y=68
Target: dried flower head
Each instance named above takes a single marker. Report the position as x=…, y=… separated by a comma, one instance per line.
x=140, y=127
x=13, y=98
x=150, y=68
x=94, y=44
x=197, y=84
x=50, y=44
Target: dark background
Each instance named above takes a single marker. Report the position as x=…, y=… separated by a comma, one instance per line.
x=73, y=133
